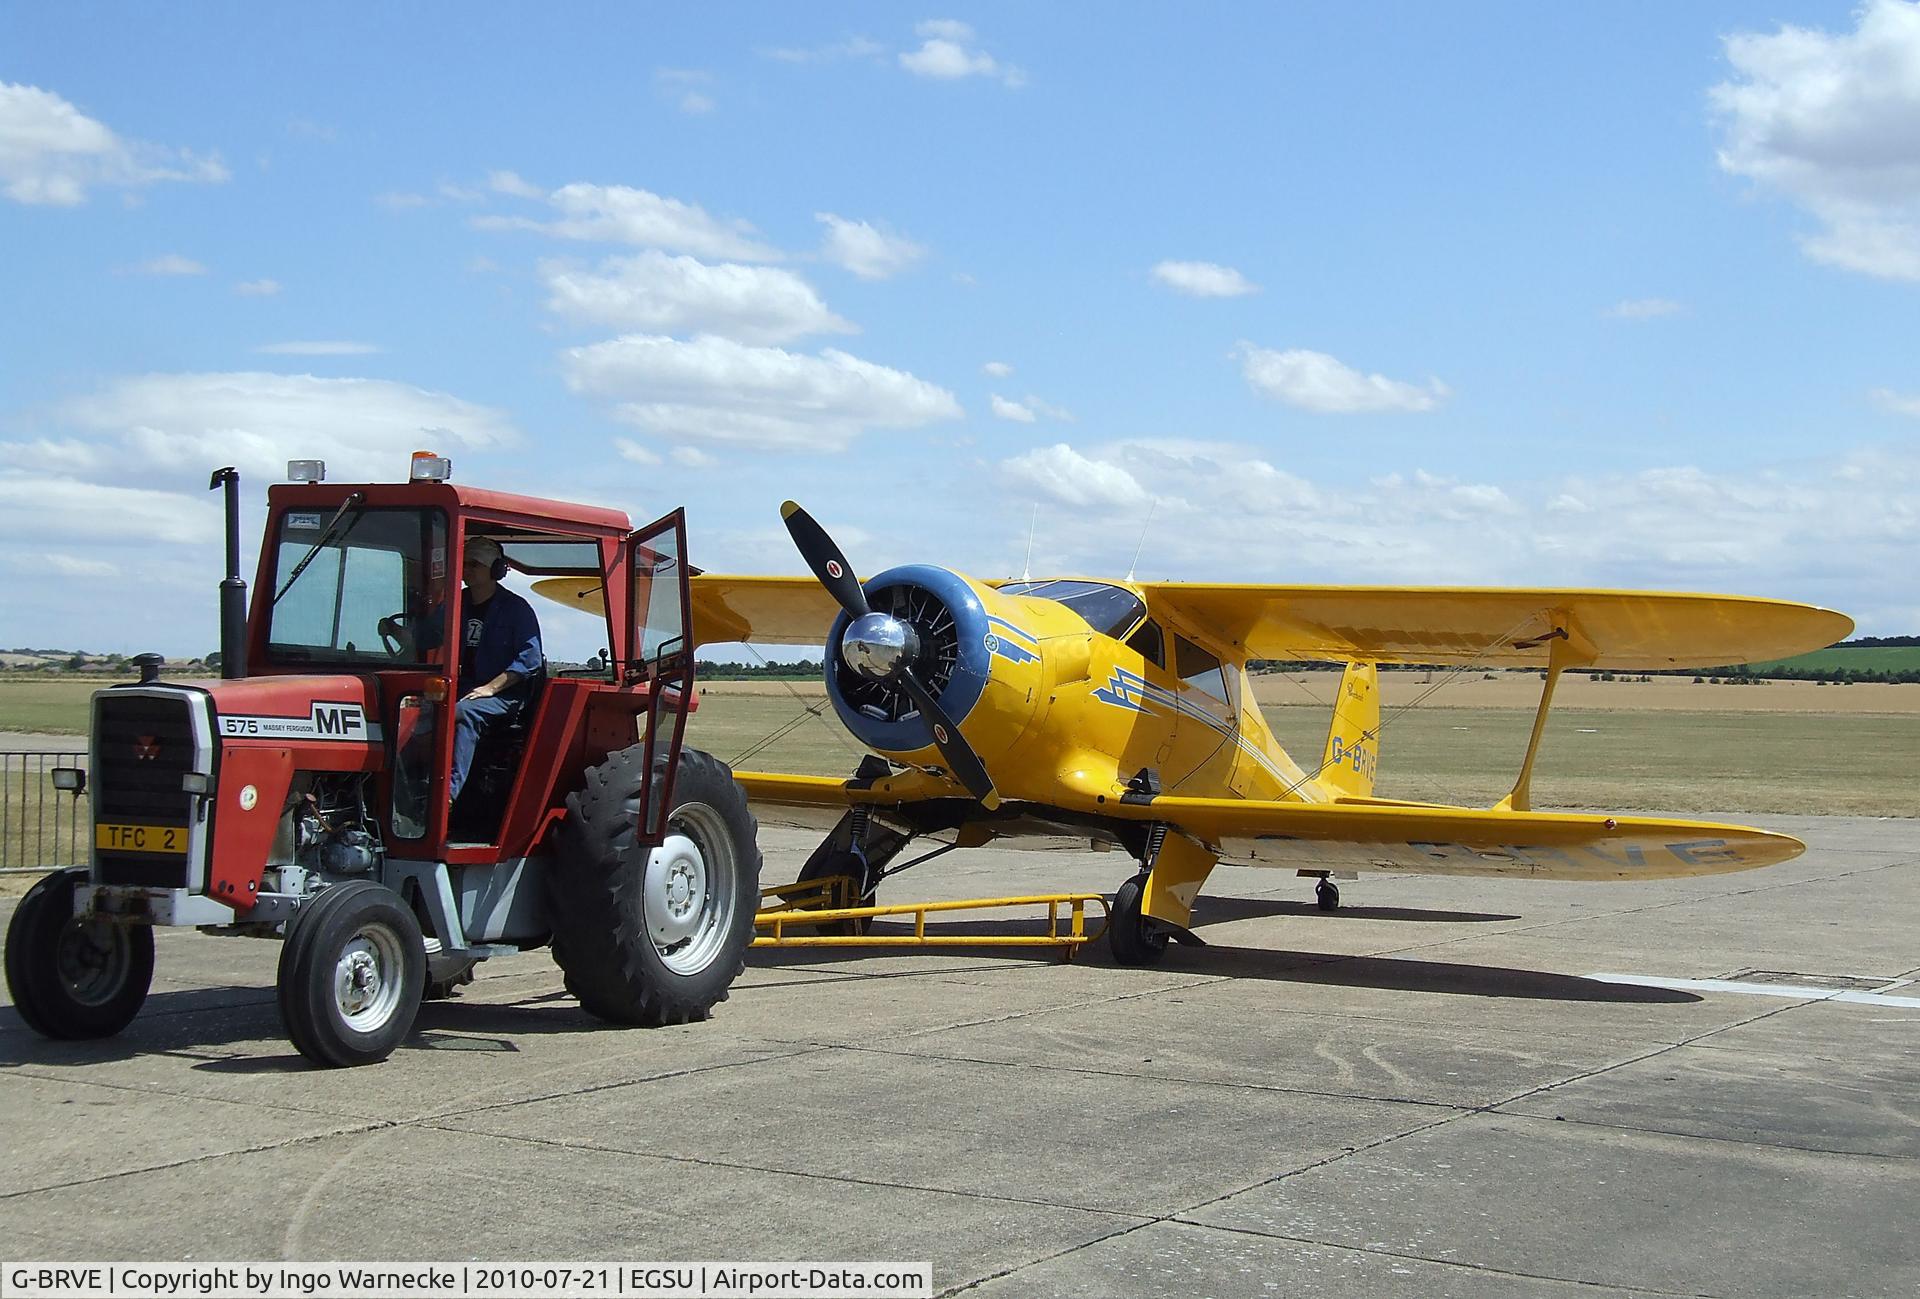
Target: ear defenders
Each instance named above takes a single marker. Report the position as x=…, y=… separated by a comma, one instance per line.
x=487, y=550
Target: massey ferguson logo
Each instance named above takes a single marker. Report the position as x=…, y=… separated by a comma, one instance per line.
x=342, y=721
x=146, y=748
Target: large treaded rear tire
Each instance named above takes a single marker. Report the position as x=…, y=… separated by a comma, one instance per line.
x=69, y=978
x=657, y=938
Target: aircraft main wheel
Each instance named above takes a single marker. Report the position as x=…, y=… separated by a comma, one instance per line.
x=657, y=939
x=826, y=862
x=73, y=978
x=1326, y=894
x=352, y=972
x=1132, y=941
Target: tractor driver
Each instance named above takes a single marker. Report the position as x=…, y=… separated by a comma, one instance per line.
x=500, y=659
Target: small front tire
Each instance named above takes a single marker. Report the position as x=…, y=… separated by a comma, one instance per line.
x=1130, y=934
x=351, y=975
x=71, y=977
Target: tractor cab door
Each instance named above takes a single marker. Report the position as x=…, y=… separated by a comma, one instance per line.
x=660, y=657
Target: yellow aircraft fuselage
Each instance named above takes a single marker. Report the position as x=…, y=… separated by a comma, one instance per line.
x=1065, y=709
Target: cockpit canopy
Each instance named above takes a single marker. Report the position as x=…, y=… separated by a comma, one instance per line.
x=1110, y=610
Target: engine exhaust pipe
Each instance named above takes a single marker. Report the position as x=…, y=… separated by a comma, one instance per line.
x=233, y=590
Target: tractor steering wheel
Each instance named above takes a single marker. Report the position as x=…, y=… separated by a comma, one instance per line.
x=391, y=629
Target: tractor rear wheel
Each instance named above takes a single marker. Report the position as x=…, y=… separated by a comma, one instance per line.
x=658, y=937
x=71, y=977
x=351, y=975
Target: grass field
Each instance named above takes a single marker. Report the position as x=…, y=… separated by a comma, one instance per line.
x=1861, y=658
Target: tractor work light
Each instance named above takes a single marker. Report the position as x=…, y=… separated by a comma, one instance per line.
x=71, y=779
x=430, y=468
x=196, y=782
x=306, y=471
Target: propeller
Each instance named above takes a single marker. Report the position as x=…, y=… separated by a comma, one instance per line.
x=883, y=648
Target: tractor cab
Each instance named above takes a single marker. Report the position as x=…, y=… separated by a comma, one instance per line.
x=367, y=580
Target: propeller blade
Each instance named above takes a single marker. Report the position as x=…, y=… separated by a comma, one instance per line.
x=961, y=759
x=825, y=559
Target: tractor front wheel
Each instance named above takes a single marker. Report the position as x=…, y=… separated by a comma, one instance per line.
x=654, y=937
x=70, y=976
x=351, y=974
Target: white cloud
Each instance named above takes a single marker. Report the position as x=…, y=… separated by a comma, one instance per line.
x=1223, y=513
x=1898, y=403
x=997, y=369
x=170, y=264
x=871, y=252
x=507, y=182
x=1012, y=410
x=855, y=47
x=1829, y=120
x=257, y=288
x=51, y=153
x=1644, y=308
x=66, y=456
x=1317, y=382
x=633, y=451
x=663, y=294
x=711, y=389
x=363, y=428
x=40, y=508
x=948, y=53
x=1064, y=475
x=624, y=215
x=692, y=458
x=685, y=89
x=1028, y=409
x=71, y=566
x=1204, y=280
x=319, y=347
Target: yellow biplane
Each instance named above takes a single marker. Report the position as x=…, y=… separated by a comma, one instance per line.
x=1120, y=714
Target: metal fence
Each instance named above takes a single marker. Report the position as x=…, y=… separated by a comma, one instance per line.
x=41, y=827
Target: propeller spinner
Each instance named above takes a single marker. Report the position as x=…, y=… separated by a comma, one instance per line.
x=883, y=648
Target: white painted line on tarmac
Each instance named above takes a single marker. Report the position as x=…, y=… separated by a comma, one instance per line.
x=1788, y=991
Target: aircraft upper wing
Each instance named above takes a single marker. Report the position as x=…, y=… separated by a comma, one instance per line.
x=1360, y=834
x=765, y=610
x=1496, y=627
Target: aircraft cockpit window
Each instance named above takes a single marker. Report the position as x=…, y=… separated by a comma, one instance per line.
x=1198, y=668
x=1147, y=642
x=1109, y=610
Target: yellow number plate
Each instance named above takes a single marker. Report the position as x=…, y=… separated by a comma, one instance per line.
x=141, y=838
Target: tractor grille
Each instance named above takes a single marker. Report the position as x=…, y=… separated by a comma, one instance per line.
x=142, y=745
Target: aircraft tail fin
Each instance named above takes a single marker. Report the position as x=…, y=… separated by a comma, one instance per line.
x=1352, y=755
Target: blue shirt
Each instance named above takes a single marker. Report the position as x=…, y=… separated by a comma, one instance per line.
x=501, y=635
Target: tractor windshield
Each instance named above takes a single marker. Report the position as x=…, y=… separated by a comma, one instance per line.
x=365, y=594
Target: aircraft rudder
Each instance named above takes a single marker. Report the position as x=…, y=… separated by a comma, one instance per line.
x=1352, y=756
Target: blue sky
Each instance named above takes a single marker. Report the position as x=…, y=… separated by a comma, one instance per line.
x=1624, y=296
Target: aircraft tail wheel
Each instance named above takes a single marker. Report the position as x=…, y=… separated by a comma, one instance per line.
x=1327, y=894
x=1129, y=934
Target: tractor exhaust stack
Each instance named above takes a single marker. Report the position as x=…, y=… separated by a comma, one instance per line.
x=233, y=589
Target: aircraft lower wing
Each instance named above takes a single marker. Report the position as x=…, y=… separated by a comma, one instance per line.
x=1366, y=835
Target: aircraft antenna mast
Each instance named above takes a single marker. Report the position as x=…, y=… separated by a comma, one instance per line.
x=1026, y=567
x=1152, y=506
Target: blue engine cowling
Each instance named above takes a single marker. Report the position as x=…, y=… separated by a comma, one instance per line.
x=952, y=664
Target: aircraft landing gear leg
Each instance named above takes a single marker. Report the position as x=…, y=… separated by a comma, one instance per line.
x=1326, y=894
x=1131, y=936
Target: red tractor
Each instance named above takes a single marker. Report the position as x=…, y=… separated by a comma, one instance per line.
x=303, y=795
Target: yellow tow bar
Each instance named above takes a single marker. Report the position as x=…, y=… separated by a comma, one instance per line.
x=810, y=906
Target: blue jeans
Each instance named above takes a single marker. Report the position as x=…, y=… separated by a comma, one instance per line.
x=471, y=719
